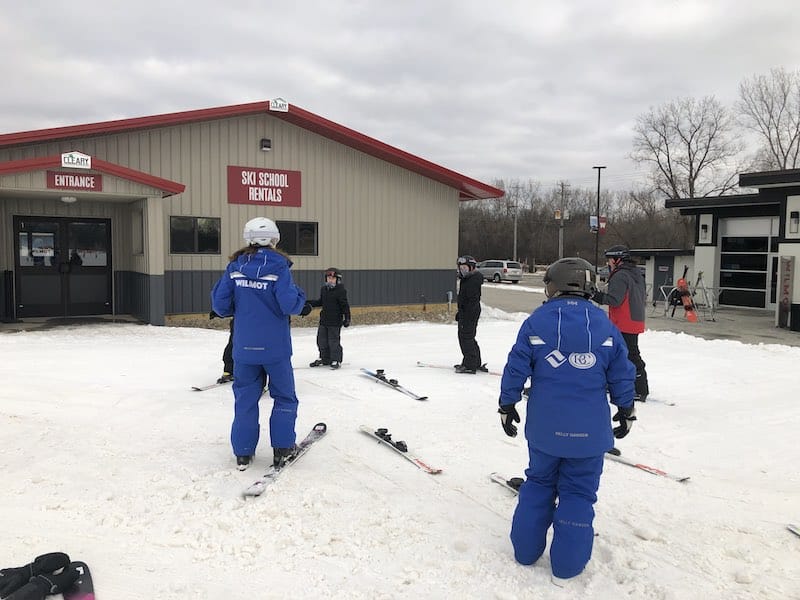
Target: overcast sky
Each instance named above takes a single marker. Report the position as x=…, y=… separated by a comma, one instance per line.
x=528, y=89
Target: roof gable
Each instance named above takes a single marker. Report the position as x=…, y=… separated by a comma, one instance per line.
x=469, y=189
x=167, y=187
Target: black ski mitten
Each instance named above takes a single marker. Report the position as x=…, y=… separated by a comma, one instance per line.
x=46, y=585
x=509, y=416
x=14, y=578
x=625, y=417
x=306, y=309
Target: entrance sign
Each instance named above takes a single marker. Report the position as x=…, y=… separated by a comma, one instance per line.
x=76, y=160
x=271, y=187
x=57, y=180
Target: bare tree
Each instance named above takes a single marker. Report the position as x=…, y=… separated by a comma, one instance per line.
x=770, y=106
x=690, y=145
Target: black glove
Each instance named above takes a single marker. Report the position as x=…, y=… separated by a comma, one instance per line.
x=458, y=316
x=46, y=585
x=598, y=297
x=213, y=315
x=509, y=416
x=346, y=323
x=625, y=417
x=306, y=309
x=14, y=578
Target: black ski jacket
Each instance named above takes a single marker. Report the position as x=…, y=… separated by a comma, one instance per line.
x=335, y=308
x=469, y=297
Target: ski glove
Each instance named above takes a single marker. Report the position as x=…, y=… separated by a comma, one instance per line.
x=346, y=323
x=46, y=585
x=625, y=417
x=306, y=309
x=458, y=316
x=509, y=416
x=14, y=578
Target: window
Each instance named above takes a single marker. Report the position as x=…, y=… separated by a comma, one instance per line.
x=194, y=235
x=298, y=238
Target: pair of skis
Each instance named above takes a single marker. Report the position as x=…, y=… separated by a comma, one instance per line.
x=614, y=454
x=272, y=473
x=319, y=430
x=380, y=377
x=400, y=447
x=451, y=369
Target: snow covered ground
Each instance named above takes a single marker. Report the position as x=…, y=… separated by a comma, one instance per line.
x=108, y=455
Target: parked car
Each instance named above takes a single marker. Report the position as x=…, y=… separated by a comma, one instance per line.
x=501, y=270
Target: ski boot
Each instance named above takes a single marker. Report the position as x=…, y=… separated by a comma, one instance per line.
x=335, y=364
x=281, y=456
x=242, y=462
x=465, y=370
x=226, y=377
x=316, y=363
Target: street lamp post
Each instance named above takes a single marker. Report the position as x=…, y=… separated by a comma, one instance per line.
x=597, y=233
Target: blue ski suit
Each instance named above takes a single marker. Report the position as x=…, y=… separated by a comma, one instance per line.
x=574, y=356
x=258, y=290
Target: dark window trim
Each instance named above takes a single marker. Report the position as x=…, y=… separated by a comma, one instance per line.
x=195, y=236
x=282, y=225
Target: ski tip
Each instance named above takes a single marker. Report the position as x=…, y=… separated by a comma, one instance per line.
x=614, y=452
x=320, y=427
x=422, y=398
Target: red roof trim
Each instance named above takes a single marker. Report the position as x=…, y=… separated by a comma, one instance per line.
x=469, y=189
x=35, y=164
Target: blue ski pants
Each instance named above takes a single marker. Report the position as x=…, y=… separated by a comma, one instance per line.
x=248, y=385
x=573, y=482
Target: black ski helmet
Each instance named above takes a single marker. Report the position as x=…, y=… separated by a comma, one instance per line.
x=467, y=260
x=618, y=251
x=333, y=271
x=570, y=276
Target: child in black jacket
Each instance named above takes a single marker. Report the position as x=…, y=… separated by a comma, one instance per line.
x=334, y=315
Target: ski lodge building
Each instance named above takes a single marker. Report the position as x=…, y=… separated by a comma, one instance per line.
x=748, y=245
x=138, y=216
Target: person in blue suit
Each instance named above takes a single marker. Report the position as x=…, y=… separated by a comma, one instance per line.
x=573, y=356
x=257, y=289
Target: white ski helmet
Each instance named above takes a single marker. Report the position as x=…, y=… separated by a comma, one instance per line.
x=261, y=232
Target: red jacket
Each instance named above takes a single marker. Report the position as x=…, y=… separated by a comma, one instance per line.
x=625, y=298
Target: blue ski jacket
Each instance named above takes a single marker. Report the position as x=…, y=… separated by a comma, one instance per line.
x=258, y=290
x=573, y=355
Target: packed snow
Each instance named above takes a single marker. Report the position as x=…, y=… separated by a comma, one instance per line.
x=109, y=456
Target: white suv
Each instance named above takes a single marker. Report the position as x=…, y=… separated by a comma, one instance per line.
x=501, y=270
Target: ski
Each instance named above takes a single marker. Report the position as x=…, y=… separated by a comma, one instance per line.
x=383, y=436
x=657, y=401
x=512, y=485
x=647, y=468
x=392, y=383
x=794, y=529
x=432, y=366
x=203, y=388
x=272, y=473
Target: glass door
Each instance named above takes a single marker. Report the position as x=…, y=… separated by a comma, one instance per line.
x=62, y=266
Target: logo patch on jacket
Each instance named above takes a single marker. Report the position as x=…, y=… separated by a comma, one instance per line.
x=582, y=360
x=556, y=359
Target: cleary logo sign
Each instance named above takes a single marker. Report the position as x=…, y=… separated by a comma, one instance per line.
x=76, y=160
x=279, y=105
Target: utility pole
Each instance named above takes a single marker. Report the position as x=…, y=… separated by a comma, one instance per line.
x=597, y=233
x=561, y=221
x=516, y=201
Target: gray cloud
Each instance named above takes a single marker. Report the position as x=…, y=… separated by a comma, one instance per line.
x=514, y=89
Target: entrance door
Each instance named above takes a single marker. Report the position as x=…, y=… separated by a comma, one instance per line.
x=63, y=266
x=662, y=276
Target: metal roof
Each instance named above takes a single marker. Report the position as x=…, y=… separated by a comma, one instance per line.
x=469, y=189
